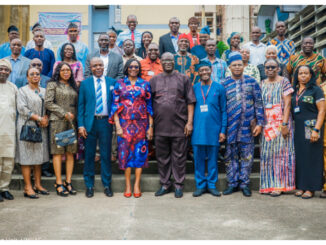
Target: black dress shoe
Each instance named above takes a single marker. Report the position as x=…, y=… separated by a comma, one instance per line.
x=108, y=192
x=198, y=192
x=230, y=190
x=162, y=191
x=7, y=195
x=46, y=173
x=1, y=199
x=214, y=192
x=246, y=191
x=178, y=193
x=89, y=192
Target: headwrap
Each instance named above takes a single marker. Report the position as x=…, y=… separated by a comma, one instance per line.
x=234, y=56
x=184, y=36
x=12, y=28
x=232, y=35
x=5, y=62
x=205, y=30
x=203, y=63
x=115, y=30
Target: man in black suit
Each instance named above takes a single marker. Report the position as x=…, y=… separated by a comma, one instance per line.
x=113, y=64
x=169, y=41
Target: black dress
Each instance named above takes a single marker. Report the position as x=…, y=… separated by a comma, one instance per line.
x=309, y=156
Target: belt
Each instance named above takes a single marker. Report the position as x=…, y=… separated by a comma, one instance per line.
x=101, y=117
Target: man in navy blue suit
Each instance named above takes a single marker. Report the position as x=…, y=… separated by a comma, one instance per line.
x=94, y=106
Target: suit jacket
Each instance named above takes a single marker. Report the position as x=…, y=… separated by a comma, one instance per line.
x=115, y=66
x=87, y=101
x=166, y=45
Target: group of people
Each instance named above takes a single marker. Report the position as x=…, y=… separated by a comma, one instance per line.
x=132, y=91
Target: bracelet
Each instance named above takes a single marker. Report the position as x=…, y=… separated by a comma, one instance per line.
x=316, y=130
x=285, y=124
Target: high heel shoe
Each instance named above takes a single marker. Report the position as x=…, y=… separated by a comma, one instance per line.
x=31, y=196
x=72, y=190
x=63, y=193
x=127, y=194
x=42, y=192
x=137, y=195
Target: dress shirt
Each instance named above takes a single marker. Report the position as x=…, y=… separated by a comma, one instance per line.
x=257, y=53
x=219, y=68
x=6, y=51
x=105, y=59
x=150, y=68
x=105, y=104
x=127, y=35
x=175, y=42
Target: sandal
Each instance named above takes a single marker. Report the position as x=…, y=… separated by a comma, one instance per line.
x=72, y=190
x=299, y=193
x=275, y=193
x=42, y=192
x=308, y=195
x=63, y=193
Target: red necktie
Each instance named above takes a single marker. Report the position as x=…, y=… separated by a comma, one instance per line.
x=132, y=35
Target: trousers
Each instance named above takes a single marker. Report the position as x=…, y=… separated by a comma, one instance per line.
x=101, y=131
x=239, y=159
x=201, y=152
x=171, y=154
x=6, y=167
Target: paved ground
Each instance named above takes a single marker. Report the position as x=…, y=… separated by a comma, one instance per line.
x=149, y=217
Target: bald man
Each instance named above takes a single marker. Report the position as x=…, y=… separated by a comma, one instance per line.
x=256, y=47
x=131, y=33
x=94, y=106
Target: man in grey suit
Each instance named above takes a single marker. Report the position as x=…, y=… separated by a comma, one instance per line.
x=169, y=41
x=113, y=64
x=18, y=62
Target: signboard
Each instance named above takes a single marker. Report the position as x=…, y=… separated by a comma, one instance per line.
x=55, y=25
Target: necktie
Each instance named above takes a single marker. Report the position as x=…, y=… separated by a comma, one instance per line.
x=99, y=100
x=132, y=35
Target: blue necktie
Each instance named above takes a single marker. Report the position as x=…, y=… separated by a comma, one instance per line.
x=99, y=100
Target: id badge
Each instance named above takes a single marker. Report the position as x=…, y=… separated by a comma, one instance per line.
x=150, y=73
x=204, y=108
x=296, y=109
x=269, y=106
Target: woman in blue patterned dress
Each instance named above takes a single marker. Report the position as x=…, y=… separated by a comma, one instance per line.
x=132, y=113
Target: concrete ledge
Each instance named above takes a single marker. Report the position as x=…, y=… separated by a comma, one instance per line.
x=149, y=182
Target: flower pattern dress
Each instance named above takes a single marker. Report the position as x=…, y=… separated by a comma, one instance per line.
x=133, y=105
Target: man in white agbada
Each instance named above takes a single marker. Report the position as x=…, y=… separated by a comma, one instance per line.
x=8, y=95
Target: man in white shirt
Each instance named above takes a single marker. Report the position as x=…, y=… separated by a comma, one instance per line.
x=257, y=48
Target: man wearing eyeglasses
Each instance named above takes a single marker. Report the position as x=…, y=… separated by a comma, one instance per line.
x=245, y=116
x=131, y=33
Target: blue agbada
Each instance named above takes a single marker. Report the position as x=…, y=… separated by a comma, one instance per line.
x=209, y=124
x=47, y=58
x=6, y=51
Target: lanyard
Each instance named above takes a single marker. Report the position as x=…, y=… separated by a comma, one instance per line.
x=297, y=97
x=202, y=92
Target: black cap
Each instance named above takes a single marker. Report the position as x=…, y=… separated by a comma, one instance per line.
x=12, y=28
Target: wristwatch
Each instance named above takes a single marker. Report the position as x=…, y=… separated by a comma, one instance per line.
x=285, y=124
x=316, y=130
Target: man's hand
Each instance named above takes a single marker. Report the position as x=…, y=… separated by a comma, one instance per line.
x=188, y=129
x=82, y=132
x=257, y=131
x=222, y=137
x=149, y=133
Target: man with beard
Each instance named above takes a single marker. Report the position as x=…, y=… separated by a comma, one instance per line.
x=151, y=65
x=285, y=47
x=113, y=64
x=19, y=63
x=131, y=33
x=308, y=57
x=173, y=104
x=42, y=53
x=8, y=98
x=129, y=51
x=169, y=41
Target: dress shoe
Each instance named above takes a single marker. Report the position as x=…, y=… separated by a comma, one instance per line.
x=7, y=195
x=89, y=192
x=198, y=192
x=162, y=191
x=246, y=191
x=178, y=193
x=33, y=196
x=127, y=194
x=46, y=173
x=230, y=190
x=108, y=192
x=214, y=192
x=323, y=194
x=1, y=199
x=137, y=195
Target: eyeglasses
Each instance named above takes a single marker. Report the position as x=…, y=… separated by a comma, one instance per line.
x=133, y=67
x=36, y=64
x=270, y=67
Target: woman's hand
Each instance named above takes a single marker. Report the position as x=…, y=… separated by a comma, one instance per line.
x=69, y=116
x=119, y=132
x=150, y=133
x=285, y=131
x=44, y=122
x=314, y=136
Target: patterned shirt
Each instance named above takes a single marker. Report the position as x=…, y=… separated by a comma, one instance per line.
x=186, y=65
x=244, y=108
x=127, y=35
x=315, y=61
x=219, y=68
x=257, y=53
x=285, y=49
x=249, y=70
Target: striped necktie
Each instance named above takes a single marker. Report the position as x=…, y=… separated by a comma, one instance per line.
x=99, y=100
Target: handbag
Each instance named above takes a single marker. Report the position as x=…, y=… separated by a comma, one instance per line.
x=32, y=133
x=67, y=137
